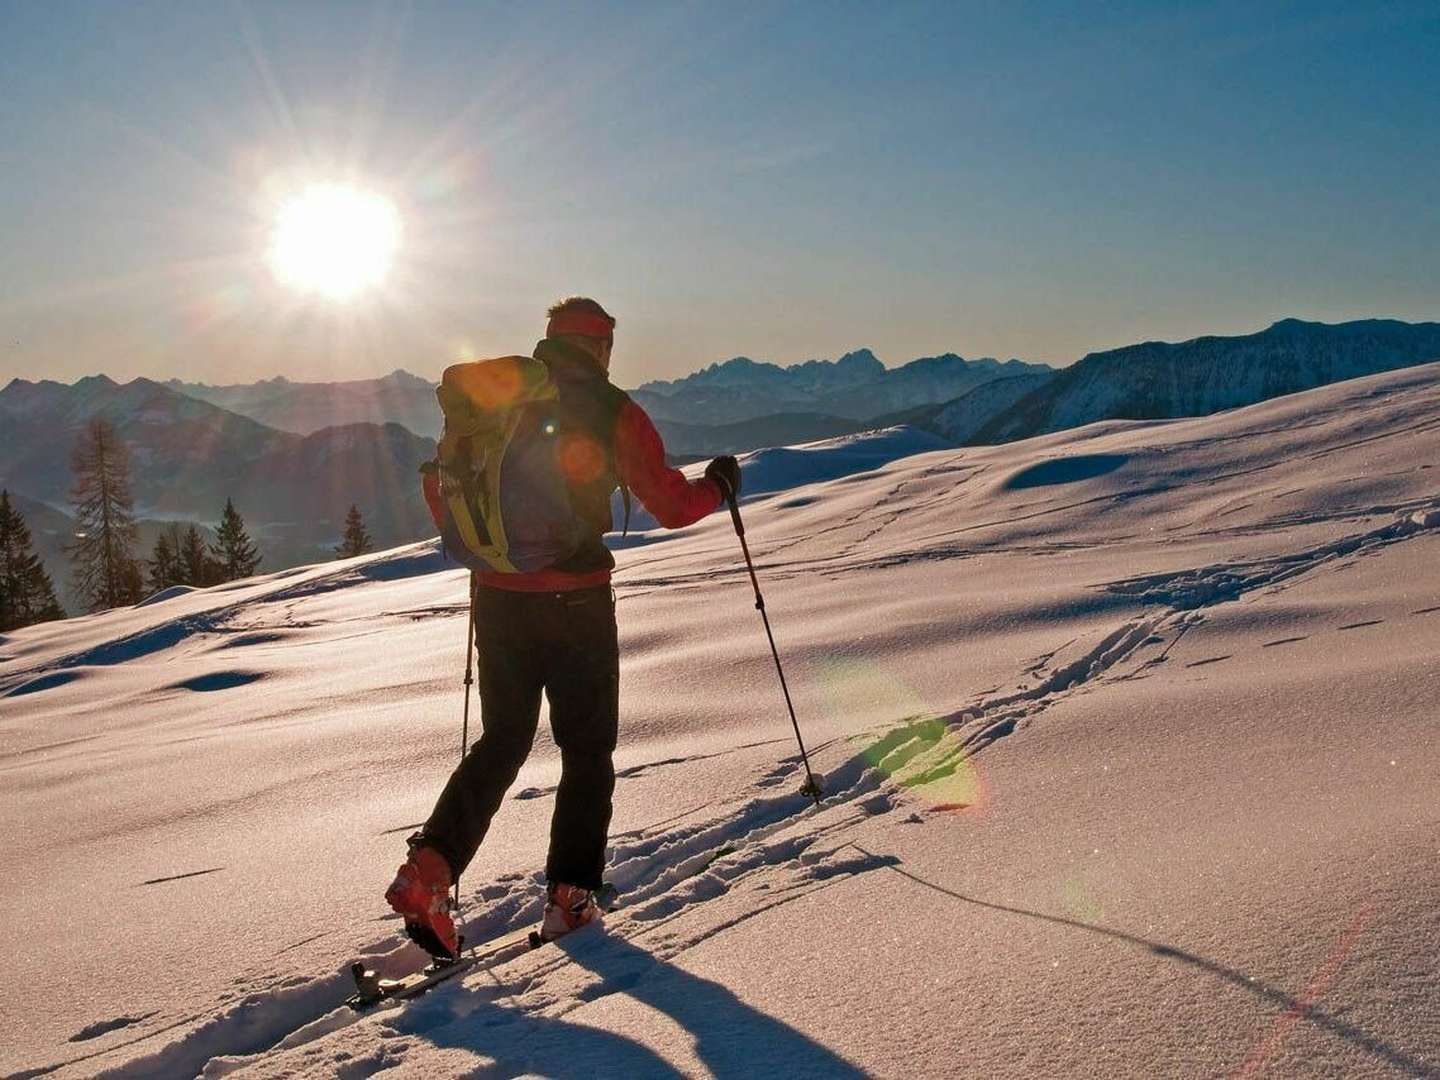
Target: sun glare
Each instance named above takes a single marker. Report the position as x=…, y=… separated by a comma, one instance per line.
x=334, y=240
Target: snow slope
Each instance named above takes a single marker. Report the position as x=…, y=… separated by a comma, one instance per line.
x=1128, y=734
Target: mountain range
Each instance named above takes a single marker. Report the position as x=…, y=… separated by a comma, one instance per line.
x=1158, y=380
x=307, y=407
x=192, y=446
x=188, y=456
x=855, y=387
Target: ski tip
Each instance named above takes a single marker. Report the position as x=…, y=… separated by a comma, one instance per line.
x=535, y=939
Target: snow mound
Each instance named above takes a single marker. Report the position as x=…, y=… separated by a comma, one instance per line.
x=166, y=594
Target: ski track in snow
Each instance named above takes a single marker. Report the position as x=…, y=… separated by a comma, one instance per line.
x=780, y=845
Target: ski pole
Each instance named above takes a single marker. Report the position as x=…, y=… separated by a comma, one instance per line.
x=469, y=682
x=812, y=786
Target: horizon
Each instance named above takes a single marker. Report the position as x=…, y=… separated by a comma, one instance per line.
x=282, y=377
x=1018, y=183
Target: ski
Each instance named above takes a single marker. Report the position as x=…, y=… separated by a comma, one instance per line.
x=372, y=990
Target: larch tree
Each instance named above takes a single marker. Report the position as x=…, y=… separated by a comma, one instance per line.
x=106, y=573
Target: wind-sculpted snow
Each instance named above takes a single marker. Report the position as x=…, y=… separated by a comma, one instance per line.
x=1127, y=738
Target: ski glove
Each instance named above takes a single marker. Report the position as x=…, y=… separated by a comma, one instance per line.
x=725, y=472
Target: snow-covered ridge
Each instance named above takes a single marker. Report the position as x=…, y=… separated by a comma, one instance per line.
x=1094, y=712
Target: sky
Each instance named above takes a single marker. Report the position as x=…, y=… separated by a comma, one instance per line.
x=782, y=181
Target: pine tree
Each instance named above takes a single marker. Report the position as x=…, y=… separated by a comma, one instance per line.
x=27, y=594
x=356, y=541
x=165, y=568
x=232, y=550
x=106, y=573
x=197, y=568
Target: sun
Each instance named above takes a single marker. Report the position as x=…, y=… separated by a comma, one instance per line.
x=334, y=240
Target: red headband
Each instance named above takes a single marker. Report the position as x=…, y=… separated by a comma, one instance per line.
x=580, y=322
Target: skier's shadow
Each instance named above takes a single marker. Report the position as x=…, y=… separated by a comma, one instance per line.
x=730, y=1037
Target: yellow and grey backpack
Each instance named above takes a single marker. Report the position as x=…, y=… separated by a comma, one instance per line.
x=525, y=468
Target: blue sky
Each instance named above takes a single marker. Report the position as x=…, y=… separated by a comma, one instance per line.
x=783, y=181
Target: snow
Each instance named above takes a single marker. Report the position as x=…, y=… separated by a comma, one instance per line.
x=1128, y=737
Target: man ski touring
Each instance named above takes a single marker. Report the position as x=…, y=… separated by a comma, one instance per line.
x=534, y=447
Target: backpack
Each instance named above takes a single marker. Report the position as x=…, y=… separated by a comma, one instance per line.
x=519, y=470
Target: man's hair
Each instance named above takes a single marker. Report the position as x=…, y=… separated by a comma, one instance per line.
x=579, y=305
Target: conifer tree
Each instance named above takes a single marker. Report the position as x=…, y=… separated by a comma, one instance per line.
x=106, y=573
x=233, y=551
x=27, y=594
x=197, y=568
x=356, y=540
x=164, y=564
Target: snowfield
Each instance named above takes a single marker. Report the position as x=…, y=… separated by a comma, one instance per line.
x=1129, y=737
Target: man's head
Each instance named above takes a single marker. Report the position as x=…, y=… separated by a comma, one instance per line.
x=582, y=322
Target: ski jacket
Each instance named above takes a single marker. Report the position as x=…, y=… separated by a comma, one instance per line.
x=635, y=458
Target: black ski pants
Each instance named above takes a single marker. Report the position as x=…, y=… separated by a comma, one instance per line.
x=564, y=645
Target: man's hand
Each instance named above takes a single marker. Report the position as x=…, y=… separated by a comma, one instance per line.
x=725, y=472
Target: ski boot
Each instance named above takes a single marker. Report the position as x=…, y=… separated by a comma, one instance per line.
x=567, y=908
x=421, y=894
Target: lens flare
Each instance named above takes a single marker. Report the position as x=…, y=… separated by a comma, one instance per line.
x=921, y=753
x=334, y=240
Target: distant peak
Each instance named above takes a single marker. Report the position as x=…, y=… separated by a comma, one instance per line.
x=1293, y=324
x=859, y=358
x=95, y=380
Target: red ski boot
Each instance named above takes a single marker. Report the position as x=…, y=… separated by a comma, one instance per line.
x=567, y=908
x=421, y=893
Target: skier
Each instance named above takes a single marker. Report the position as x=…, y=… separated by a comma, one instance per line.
x=552, y=629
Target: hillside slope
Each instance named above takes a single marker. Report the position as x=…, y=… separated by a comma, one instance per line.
x=1159, y=380
x=188, y=456
x=1128, y=737
x=305, y=408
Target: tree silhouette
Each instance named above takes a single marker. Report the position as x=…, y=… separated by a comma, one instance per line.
x=106, y=573
x=164, y=563
x=197, y=568
x=27, y=594
x=236, y=556
x=356, y=540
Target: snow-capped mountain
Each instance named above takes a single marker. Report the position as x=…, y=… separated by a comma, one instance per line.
x=959, y=419
x=855, y=387
x=1159, y=380
x=306, y=407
